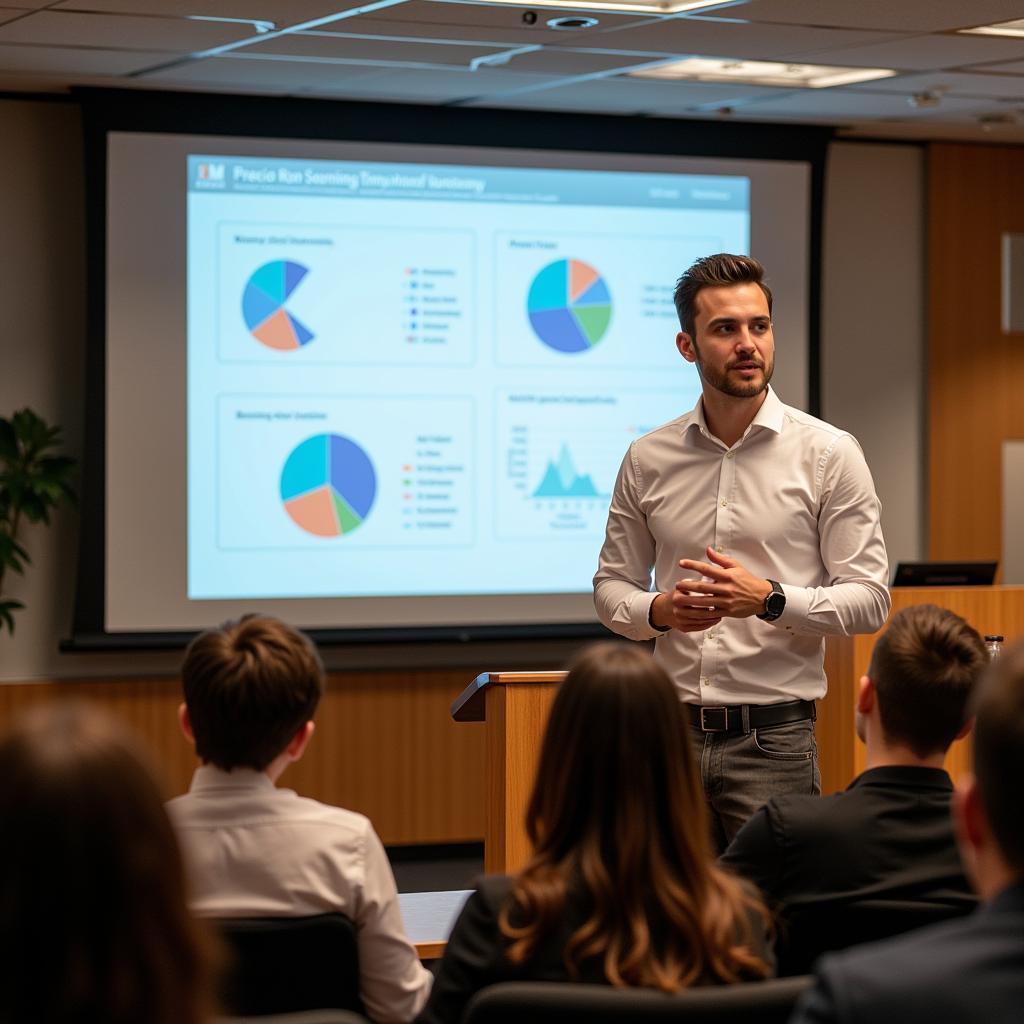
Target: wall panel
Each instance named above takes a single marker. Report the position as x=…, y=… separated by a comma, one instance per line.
x=976, y=373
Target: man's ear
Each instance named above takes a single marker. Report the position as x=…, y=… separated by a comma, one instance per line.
x=186, y=723
x=686, y=347
x=300, y=741
x=866, y=695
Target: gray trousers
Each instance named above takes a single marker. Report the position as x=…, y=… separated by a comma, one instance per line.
x=742, y=771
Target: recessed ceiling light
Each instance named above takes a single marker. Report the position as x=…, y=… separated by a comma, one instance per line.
x=625, y=6
x=572, y=24
x=1000, y=28
x=762, y=72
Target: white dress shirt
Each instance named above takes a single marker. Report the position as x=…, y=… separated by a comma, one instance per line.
x=254, y=850
x=793, y=501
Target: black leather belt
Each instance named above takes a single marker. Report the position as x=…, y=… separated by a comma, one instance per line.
x=744, y=717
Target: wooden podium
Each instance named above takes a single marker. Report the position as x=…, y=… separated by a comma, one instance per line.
x=515, y=705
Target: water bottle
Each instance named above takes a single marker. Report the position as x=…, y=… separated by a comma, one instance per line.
x=994, y=645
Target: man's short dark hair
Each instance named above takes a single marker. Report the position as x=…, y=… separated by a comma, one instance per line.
x=723, y=270
x=999, y=752
x=924, y=667
x=249, y=687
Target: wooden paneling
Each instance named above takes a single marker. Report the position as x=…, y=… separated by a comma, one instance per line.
x=385, y=745
x=975, y=372
x=988, y=609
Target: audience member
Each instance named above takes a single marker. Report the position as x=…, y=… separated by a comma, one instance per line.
x=93, y=919
x=889, y=834
x=972, y=969
x=622, y=888
x=251, y=688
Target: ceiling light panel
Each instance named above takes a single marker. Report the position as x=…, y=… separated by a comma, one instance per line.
x=1014, y=29
x=760, y=72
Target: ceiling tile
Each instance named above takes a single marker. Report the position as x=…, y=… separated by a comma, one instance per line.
x=952, y=83
x=294, y=12
x=356, y=47
x=895, y=15
x=437, y=86
x=1010, y=67
x=841, y=104
x=721, y=39
x=263, y=75
x=924, y=53
x=49, y=60
x=514, y=35
x=577, y=62
x=498, y=16
x=66, y=28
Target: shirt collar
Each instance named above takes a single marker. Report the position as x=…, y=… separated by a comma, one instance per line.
x=906, y=776
x=770, y=416
x=209, y=776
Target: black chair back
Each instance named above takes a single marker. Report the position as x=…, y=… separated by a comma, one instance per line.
x=288, y=964
x=554, y=1002
x=805, y=933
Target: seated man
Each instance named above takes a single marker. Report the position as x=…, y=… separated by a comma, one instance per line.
x=888, y=836
x=962, y=971
x=251, y=688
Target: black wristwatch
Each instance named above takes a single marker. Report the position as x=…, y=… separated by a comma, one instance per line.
x=774, y=603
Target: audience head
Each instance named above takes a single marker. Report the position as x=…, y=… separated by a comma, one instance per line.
x=617, y=809
x=923, y=670
x=93, y=918
x=722, y=270
x=251, y=688
x=990, y=813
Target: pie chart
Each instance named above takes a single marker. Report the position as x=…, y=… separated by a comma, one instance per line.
x=263, y=306
x=569, y=306
x=328, y=485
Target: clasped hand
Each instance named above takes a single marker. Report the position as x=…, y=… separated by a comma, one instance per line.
x=729, y=591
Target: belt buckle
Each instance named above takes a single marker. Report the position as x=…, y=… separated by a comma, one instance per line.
x=706, y=727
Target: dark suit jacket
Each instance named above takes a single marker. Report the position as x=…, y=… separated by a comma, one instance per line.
x=969, y=971
x=475, y=955
x=887, y=836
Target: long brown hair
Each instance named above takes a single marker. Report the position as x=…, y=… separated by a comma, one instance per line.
x=93, y=919
x=617, y=813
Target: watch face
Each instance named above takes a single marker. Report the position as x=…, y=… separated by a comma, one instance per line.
x=775, y=603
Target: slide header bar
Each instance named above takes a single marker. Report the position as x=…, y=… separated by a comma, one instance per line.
x=451, y=182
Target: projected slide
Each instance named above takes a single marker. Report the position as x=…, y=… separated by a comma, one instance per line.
x=416, y=380
x=263, y=305
x=569, y=305
x=328, y=485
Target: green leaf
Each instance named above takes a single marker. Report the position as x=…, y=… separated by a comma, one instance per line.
x=7, y=609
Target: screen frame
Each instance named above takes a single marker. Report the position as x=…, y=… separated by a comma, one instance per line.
x=105, y=111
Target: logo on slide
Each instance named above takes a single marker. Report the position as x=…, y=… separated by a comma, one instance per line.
x=263, y=306
x=328, y=485
x=569, y=306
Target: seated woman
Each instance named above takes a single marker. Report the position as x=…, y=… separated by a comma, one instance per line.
x=623, y=888
x=93, y=919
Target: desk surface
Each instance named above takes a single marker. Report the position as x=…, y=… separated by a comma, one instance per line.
x=429, y=917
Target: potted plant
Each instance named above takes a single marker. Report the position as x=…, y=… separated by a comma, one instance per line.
x=34, y=480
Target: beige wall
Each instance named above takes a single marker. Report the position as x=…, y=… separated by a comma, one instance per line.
x=874, y=303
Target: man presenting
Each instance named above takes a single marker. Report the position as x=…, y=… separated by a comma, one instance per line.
x=761, y=525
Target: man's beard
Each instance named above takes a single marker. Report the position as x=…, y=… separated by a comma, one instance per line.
x=736, y=388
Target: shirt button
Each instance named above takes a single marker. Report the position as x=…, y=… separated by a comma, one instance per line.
x=703, y=680
x=725, y=504
x=729, y=455
x=712, y=634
